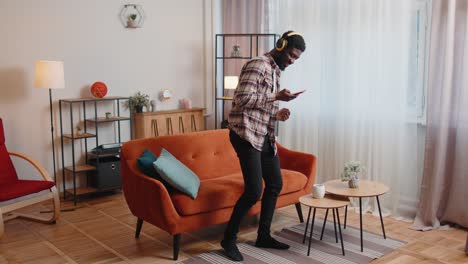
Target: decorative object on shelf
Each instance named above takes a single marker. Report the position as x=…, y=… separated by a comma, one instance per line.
x=98, y=89
x=137, y=102
x=236, y=51
x=132, y=16
x=230, y=82
x=351, y=172
x=131, y=21
x=186, y=103
x=153, y=105
x=108, y=115
x=318, y=191
x=78, y=130
x=166, y=95
x=49, y=75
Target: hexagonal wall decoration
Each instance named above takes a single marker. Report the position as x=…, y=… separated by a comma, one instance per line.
x=132, y=16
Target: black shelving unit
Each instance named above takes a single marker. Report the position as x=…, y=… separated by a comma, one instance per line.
x=255, y=45
x=92, y=158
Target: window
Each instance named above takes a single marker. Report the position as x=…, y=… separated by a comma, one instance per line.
x=420, y=33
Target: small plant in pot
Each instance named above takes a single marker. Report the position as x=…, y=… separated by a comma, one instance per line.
x=132, y=21
x=137, y=101
x=351, y=172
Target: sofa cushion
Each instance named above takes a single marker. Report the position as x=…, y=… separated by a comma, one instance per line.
x=223, y=192
x=145, y=164
x=177, y=174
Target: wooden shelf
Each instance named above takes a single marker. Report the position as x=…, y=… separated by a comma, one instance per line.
x=81, y=168
x=78, y=136
x=235, y=58
x=175, y=111
x=92, y=155
x=82, y=190
x=111, y=119
x=254, y=45
x=91, y=115
x=91, y=99
x=224, y=98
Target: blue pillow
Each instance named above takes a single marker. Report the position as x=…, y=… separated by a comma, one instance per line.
x=145, y=164
x=177, y=174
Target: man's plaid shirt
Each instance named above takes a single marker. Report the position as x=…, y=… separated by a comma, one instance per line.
x=254, y=107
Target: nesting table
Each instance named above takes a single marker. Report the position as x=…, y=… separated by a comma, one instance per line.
x=366, y=189
x=328, y=202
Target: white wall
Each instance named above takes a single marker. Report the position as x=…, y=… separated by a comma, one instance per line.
x=171, y=51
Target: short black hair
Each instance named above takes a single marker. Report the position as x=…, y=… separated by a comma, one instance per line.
x=294, y=41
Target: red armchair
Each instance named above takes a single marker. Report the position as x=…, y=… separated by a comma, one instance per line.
x=12, y=187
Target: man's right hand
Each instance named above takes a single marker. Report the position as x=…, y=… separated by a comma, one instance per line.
x=285, y=95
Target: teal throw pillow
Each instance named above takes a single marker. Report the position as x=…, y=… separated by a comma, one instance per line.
x=177, y=174
x=145, y=164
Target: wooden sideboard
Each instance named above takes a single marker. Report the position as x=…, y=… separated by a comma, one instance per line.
x=170, y=122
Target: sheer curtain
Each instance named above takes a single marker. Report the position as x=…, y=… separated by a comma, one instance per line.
x=444, y=187
x=359, y=103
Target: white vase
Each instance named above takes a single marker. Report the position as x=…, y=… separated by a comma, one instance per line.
x=318, y=191
x=132, y=23
x=353, y=183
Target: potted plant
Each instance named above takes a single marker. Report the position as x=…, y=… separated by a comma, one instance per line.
x=351, y=172
x=137, y=101
x=131, y=21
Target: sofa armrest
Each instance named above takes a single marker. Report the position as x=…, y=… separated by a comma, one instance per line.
x=299, y=161
x=148, y=198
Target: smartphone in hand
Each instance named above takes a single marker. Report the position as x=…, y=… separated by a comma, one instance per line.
x=298, y=93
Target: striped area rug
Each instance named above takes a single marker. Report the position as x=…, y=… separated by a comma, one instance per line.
x=321, y=251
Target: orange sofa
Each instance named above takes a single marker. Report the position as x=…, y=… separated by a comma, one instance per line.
x=211, y=157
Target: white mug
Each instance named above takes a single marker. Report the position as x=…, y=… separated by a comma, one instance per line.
x=318, y=191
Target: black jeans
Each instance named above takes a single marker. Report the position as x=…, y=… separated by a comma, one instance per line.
x=255, y=165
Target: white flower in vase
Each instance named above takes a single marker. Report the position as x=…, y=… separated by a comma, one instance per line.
x=351, y=172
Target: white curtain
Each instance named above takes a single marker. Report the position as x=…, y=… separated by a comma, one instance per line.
x=358, y=70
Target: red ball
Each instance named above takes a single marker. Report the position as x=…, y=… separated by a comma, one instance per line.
x=99, y=89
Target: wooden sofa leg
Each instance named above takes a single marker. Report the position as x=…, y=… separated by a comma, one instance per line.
x=138, y=227
x=176, y=246
x=299, y=212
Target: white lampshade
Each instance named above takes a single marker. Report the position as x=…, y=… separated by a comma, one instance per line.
x=230, y=82
x=49, y=75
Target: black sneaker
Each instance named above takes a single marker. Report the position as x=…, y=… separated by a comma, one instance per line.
x=270, y=243
x=231, y=251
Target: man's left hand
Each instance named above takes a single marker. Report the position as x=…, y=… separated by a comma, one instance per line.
x=283, y=114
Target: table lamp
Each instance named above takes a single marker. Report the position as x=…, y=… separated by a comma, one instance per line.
x=230, y=82
x=49, y=75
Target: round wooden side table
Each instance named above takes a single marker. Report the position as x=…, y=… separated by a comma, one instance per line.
x=366, y=189
x=328, y=202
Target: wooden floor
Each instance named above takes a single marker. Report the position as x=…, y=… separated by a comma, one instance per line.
x=102, y=231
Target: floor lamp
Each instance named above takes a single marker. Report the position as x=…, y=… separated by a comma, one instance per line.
x=49, y=75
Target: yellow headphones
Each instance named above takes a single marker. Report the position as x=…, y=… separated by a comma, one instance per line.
x=283, y=43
